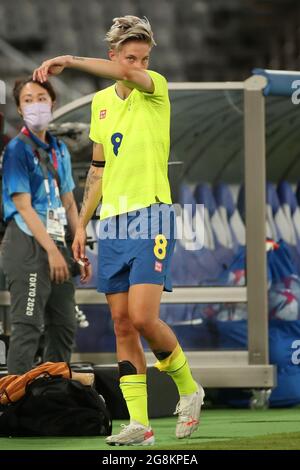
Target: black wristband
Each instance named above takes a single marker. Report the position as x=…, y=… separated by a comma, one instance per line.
x=98, y=164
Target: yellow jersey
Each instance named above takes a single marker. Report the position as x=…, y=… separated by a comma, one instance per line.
x=135, y=134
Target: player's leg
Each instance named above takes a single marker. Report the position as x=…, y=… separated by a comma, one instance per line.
x=144, y=306
x=144, y=303
x=113, y=280
x=132, y=372
x=149, y=273
x=128, y=342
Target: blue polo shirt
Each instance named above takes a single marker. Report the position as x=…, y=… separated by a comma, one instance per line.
x=22, y=173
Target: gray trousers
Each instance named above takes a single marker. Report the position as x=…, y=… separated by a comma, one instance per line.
x=37, y=304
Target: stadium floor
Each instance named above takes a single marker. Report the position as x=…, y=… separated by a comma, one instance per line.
x=220, y=429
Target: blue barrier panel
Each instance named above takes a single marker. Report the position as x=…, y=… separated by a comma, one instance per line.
x=280, y=83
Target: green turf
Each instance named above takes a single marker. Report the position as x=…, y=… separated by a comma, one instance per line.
x=219, y=429
x=280, y=441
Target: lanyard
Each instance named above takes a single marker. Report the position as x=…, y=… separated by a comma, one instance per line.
x=54, y=158
x=46, y=164
x=45, y=169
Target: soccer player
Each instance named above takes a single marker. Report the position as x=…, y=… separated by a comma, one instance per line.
x=130, y=127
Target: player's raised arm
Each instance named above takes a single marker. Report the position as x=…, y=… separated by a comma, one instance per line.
x=132, y=75
x=126, y=64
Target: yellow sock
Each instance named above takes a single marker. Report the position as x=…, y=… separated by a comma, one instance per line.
x=134, y=389
x=177, y=367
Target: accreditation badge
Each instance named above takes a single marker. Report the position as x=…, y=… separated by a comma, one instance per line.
x=56, y=219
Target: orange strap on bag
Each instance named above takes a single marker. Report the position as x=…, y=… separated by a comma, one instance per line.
x=12, y=387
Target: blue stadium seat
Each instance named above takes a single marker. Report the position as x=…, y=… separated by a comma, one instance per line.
x=289, y=205
x=229, y=215
x=272, y=209
x=291, y=212
x=282, y=227
x=276, y=222
x=222, y=239
x=193, y=264
x=270, y=232
x=189, y=267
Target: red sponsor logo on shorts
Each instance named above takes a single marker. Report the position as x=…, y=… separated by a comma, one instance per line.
x=158, y=266
x=102, y=114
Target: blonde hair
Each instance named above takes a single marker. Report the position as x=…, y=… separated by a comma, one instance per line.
x=128, y=28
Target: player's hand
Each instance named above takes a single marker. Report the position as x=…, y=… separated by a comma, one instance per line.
x=78, y=245
x=59, y=271
x=50, y=67
x=86, y=272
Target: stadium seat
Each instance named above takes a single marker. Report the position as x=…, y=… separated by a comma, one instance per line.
x=276, y=224
x=222, y=239
x=213, y=221
x=290, y=208
x=229, y=214
x=282, y=226
x=193, y=263
x=276, y=217
x=273, y=211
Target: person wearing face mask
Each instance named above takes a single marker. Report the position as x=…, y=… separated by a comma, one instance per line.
x=38, y=203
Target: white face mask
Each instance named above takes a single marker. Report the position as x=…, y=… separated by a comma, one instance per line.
x=37, y=116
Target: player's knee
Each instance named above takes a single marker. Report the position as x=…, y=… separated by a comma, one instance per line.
x=122, y=325
x=143, y=326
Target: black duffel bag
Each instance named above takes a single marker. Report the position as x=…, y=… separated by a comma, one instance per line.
x=55, y=406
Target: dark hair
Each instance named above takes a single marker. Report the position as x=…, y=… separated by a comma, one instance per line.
x=21, y=82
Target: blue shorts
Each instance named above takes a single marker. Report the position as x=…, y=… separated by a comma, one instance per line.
x=136, y=248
